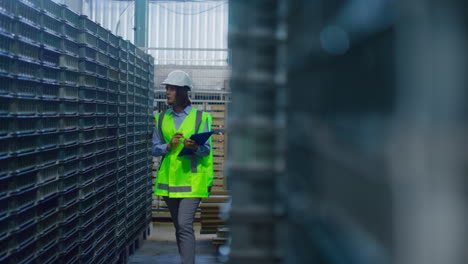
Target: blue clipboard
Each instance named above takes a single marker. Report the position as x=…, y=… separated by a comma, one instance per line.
x=200, y=138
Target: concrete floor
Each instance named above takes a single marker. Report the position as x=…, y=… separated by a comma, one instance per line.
x=161, y=248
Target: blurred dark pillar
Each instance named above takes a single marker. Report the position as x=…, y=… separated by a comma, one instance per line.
x=429, y=155
x=252, y=168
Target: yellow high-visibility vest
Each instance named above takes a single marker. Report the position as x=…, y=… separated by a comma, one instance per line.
x=185, y=176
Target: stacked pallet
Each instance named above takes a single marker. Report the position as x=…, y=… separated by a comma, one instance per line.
x=211, y=213
x=210, y=207
x=222, y=237
x=218, y=112
x=74, y=166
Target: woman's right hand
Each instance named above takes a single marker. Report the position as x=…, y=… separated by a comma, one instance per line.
x=175, y=140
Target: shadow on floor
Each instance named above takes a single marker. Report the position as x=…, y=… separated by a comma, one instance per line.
x=161, y=248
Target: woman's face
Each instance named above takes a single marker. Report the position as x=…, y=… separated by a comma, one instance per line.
x=171, y=94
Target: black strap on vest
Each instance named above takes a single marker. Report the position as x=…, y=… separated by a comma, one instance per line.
x=160, y=120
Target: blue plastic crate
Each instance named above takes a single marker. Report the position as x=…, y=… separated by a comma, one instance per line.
x=86, y=190
x=28, y=13
x=112, y=132
x=69, y=108
x=88, y=39
x=47, y=190
x=87, y=150
x=24, y=107
x=88, y=53
x=70, y=181
x=48, y=141
x=101, y=96
x=68, y=123
x=50, y=24
x=112, y=109
x=130, y=70
x=112, y=168
x=50, y=203
x=101, y=146
x=25, y=144
x=101, y=159
x=69, y=153
x=48, y=254
x=48, y=124
x=114, y=40
x=101, y=133
x=113, y=75
x=114, y=53
x=69, y=92
x=70, y=138
x=6, y=23
x=50, y=108
x=72, y=252
x=21, y=67
x=87, y=108
x=26, y=248
x=87, y=80
x=7, y=43
x=101, y=83
x=101, y=71
x=28, y=32
x=69, y=197
x=71, y=17
x=101, y=121
x=50, y=57
x=102, y=45
x=112, y=98
x=21, y=125
x=68, y=216
x=102, y=58
x=26, y=50
x=70, y=47
x=48, y=157
x=87, y=122
x=69, y=77
x=88, y=66
x=69, y=62
x=87, y=204
x=53, y=9
x=70, y=32
x=112, y=121
x=50, y=74
x=23, y=200
x=47, y=174
x=87, y=136
x=88, y=25
x=50, y=90
x=51, y=41
x=23, y=219
x=113, y=86
x=24, y=87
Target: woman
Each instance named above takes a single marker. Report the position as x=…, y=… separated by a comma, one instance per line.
x=184, y=180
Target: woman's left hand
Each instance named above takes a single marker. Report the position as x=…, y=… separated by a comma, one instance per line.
x=191, y=144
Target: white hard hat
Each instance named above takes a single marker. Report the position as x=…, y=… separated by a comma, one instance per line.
x=178, y=78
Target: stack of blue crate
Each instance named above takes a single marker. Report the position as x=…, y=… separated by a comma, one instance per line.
x=75, y=154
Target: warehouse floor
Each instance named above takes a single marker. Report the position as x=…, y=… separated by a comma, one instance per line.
x=161, y=247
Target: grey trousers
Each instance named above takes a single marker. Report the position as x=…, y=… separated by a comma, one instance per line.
x=183, y=215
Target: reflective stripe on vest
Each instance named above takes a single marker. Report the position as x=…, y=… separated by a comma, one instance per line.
x=166, y=187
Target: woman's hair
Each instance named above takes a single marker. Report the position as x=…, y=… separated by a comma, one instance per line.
x=182, y=98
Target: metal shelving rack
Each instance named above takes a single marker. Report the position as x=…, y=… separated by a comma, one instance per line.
x=75, y=123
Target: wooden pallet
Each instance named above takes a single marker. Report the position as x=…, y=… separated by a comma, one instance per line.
x=210, y=213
